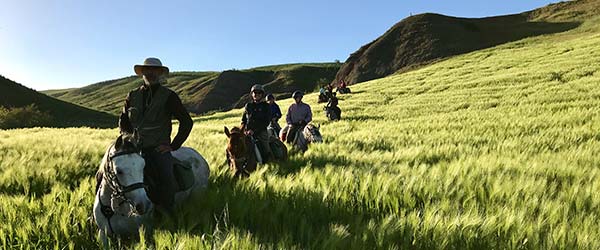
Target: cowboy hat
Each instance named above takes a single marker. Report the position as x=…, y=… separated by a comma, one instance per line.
x=150, y=62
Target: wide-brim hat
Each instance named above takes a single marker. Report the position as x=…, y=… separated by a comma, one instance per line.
x=150, y=62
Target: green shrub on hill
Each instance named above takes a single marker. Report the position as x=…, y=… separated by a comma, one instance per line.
x=24, y=117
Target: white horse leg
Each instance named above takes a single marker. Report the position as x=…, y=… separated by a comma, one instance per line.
x=103, y=238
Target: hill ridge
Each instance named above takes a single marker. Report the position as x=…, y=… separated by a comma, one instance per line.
x=63, y=114
x=198, y=91
x=429, y=37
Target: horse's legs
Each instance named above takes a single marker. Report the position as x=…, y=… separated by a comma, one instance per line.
x=103, y=239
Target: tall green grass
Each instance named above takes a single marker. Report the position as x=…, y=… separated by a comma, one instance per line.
x=497, y=149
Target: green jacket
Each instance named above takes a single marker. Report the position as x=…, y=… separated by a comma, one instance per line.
x=151, y=119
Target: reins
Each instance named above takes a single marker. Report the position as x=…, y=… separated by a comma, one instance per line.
x=118, y=191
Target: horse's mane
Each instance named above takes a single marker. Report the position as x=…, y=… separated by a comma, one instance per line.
x=126, y=142
x=236, y=130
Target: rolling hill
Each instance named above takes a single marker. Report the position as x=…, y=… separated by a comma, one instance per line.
x=493, y=149
x=203, y=92
x=426, y=38
x=63, y=114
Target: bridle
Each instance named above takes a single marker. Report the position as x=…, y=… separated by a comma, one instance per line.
x=240, y=161
x=118, y=190
x=112, y=181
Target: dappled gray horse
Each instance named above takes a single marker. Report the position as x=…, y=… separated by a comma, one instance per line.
x=310, y=134
x=121, y=205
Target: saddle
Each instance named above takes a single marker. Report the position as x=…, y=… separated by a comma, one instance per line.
x=278, y=148
x=184, y=176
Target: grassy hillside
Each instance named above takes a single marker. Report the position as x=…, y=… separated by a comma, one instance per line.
x=63, y=114
x=422, y=39
x=496, y=149
x=203, y=92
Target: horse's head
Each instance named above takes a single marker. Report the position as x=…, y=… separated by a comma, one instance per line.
x=312, y=134
x=124, y=172
x=237, y=150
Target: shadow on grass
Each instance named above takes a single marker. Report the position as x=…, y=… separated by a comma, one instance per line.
x=295, y=164
x=297, y=217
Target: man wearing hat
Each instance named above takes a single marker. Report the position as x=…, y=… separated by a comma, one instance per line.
x=148, y=112
x=256, y=118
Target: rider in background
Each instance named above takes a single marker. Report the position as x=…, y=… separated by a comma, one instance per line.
x=322, y=90
x=322, y=94
x=299, y=114
x=329, y=90
x=148, y=111
x=333, y=101
x=342, y=84
x=275, y=112
x=256, y=118
x=333, y=105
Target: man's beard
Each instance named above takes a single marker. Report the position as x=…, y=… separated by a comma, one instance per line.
x=150, y=81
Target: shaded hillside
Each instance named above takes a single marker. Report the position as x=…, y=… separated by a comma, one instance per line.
x=63, y=114
x=203, y=92
x=425, y=38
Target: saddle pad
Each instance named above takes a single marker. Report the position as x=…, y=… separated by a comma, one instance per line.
x=183, y=175
x=278, y=148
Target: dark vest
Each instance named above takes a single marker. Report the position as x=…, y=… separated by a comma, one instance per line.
x=152, y=120
x=258, y=116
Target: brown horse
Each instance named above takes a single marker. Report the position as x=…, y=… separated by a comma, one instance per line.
x=240, y=152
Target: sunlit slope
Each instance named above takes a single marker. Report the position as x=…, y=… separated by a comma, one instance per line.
x=496, y=149
x=203, y=92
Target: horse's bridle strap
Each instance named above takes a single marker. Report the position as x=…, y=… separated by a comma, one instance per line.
x=119, y=153
x=133, y=187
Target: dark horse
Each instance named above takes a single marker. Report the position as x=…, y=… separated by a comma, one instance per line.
x=241, y=155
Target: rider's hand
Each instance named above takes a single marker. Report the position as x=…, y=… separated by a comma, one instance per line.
x=249, y=132
x=164, y=148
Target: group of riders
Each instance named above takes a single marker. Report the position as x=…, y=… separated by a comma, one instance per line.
x=326, y=94
x=148, y=111
x=262, y=115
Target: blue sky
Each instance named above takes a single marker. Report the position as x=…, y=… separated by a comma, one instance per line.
x=51, y=44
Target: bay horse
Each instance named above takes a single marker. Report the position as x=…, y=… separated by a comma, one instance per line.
x=121, y=205
x=241, y=154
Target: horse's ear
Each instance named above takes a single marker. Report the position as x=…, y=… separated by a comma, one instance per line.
x=227, y=131
x=119, y=142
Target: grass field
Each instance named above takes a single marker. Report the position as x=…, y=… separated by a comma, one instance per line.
x=496, y=149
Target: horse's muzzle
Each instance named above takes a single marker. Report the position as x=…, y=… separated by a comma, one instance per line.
x=142, y=208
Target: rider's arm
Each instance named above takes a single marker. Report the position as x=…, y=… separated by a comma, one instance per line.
x=245, y=117
x=185, y=121
x=308, y=115
x=277, y=112
x=124, y=122
x=265, y=118
x=288, y=116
